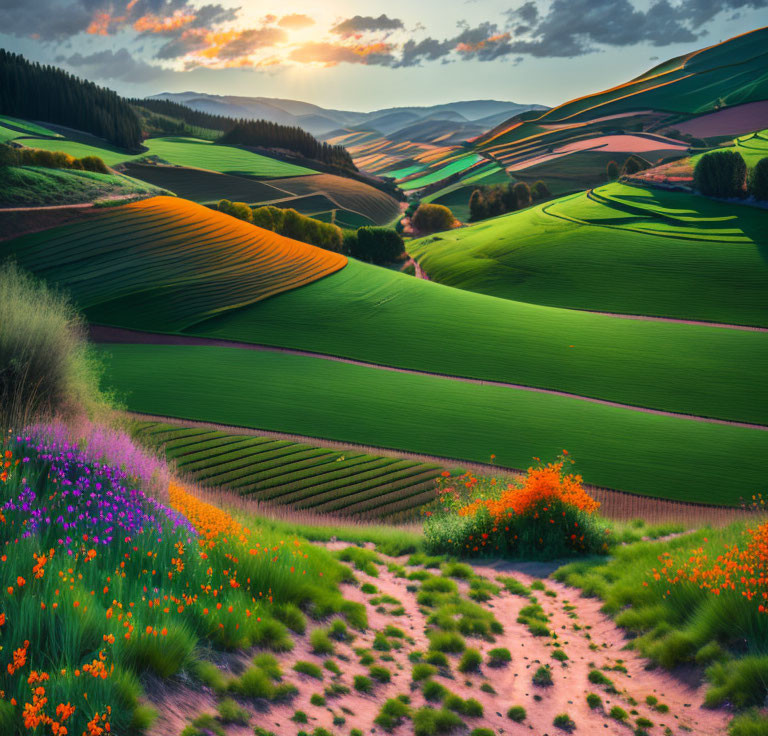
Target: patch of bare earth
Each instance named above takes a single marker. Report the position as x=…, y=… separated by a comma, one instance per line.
x=589, y=638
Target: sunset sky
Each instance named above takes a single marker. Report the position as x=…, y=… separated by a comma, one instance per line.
x=368, y=54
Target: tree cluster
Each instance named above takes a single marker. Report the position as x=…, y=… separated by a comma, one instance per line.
x=632, y=165
x=498, y=199
x=10, y=156
x=195, y=118
x=264, y=134
x=432, y=218
x=36, y=92
x=372, y=244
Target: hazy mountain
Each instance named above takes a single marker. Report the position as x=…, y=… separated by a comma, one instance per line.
x=321, y=121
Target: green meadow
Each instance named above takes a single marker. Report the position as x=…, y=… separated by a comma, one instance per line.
x=621, y=249
x=618, y=448
x=182, y=152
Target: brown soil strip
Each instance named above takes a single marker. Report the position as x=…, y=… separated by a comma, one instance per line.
x=619, y=505
x=104, y=334
x=700, y=323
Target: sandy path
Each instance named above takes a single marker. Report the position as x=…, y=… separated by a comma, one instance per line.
x=577, y=630
x=103, y=334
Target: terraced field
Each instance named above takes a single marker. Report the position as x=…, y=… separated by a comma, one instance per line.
x=189, y=152
x=166, y=263
x=668, y=457
x=305, y=476
x=618, y=248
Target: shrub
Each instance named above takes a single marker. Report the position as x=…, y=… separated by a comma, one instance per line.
x=446, y=641
x=48, y=367
x=93, y=163
x=742, y=682
x=422, y=671
x=9, y=156
x=470, y=661
x=204, y=725
x=209, y=674
x=433, y=691
x=598, y=678
x=308, y=668
x=317, y=699
x=380, y=674
x=482, y=732
x=750, y=723
x=758, y=180
x=363, y=559
x=564, y=721
x=290, y=614
x=432, y=218
x=377, y=245
x=618, y=713
x=632, y=165
x=293, y=224
x=163, y=655
x=363, y=684
x=231, y=712
x=392, y=714
x=522, y=194
x=594, y=701
x=721, y=174
x=299, y=717
x=543, y=676
x=499, y=656
x=338, y=630
x=430, y=722
x=516, y=713
x=559, y=655
x=331, y=666
x=540, y=191
x=240, y=210
x=320, y=642
x=369, y=588
x=548, y=515
x=612, y=171
x=436, y=658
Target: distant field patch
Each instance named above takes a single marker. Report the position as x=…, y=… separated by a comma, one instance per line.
x=348, y=483
x=439, y=172
x=668, y=458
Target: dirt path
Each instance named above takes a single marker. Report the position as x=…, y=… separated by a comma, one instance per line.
x=589, y=639
x=102, y=334
x=49, y=207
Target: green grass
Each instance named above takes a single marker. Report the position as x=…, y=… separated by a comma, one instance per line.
x=181, y=152
x=32, y=186
x=24, y=127
x=624, y=249
x=305, y=476
x=439, y=171
x=752, y=147
x=461, y=333
x=669, y=457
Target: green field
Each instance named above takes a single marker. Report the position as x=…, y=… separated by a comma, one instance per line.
x=182, y=152
x=384, y=317
x=350, y=483
x=32, y=186
x=654, y=455
x=620, y=249
x=135, y=278
x=753, y=147
x=439, y=171
x=23, y=127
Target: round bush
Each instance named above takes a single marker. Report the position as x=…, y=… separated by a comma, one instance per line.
x=721, y=174
x=758, y=181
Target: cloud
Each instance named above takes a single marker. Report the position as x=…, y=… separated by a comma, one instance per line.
x=330, y=54
x=576, y=27
x=366, y=23
x=246, y=42
x=295, y=21
x=114, y=65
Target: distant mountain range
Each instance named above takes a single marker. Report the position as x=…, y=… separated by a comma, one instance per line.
x=477, y=115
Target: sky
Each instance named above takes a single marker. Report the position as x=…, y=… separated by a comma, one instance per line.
x=368, y=54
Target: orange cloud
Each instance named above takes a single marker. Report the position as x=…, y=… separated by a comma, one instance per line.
x=156, y=24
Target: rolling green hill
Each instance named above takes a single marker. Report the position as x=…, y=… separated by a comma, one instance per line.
x=134, y=278
x=655, y=455
x=33, y=186
x=619, y=248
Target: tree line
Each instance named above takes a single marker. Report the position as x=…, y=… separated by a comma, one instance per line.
x=493, y=200
x=33, y=91
x=380, y=245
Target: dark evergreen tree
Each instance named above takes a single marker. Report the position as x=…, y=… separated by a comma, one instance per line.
x=35, y=92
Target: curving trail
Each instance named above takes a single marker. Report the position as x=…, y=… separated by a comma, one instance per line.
x=104, y=334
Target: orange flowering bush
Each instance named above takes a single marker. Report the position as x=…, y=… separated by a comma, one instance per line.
x=548, y=513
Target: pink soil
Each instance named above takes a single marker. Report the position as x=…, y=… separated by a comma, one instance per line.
x=731, y=121
x=625, y=144
x=512, y=683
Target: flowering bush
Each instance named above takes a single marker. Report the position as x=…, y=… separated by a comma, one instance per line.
x=548, y=514
x=102, y=581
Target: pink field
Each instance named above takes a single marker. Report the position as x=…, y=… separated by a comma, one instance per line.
x=625, y=144
x=731, y=121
